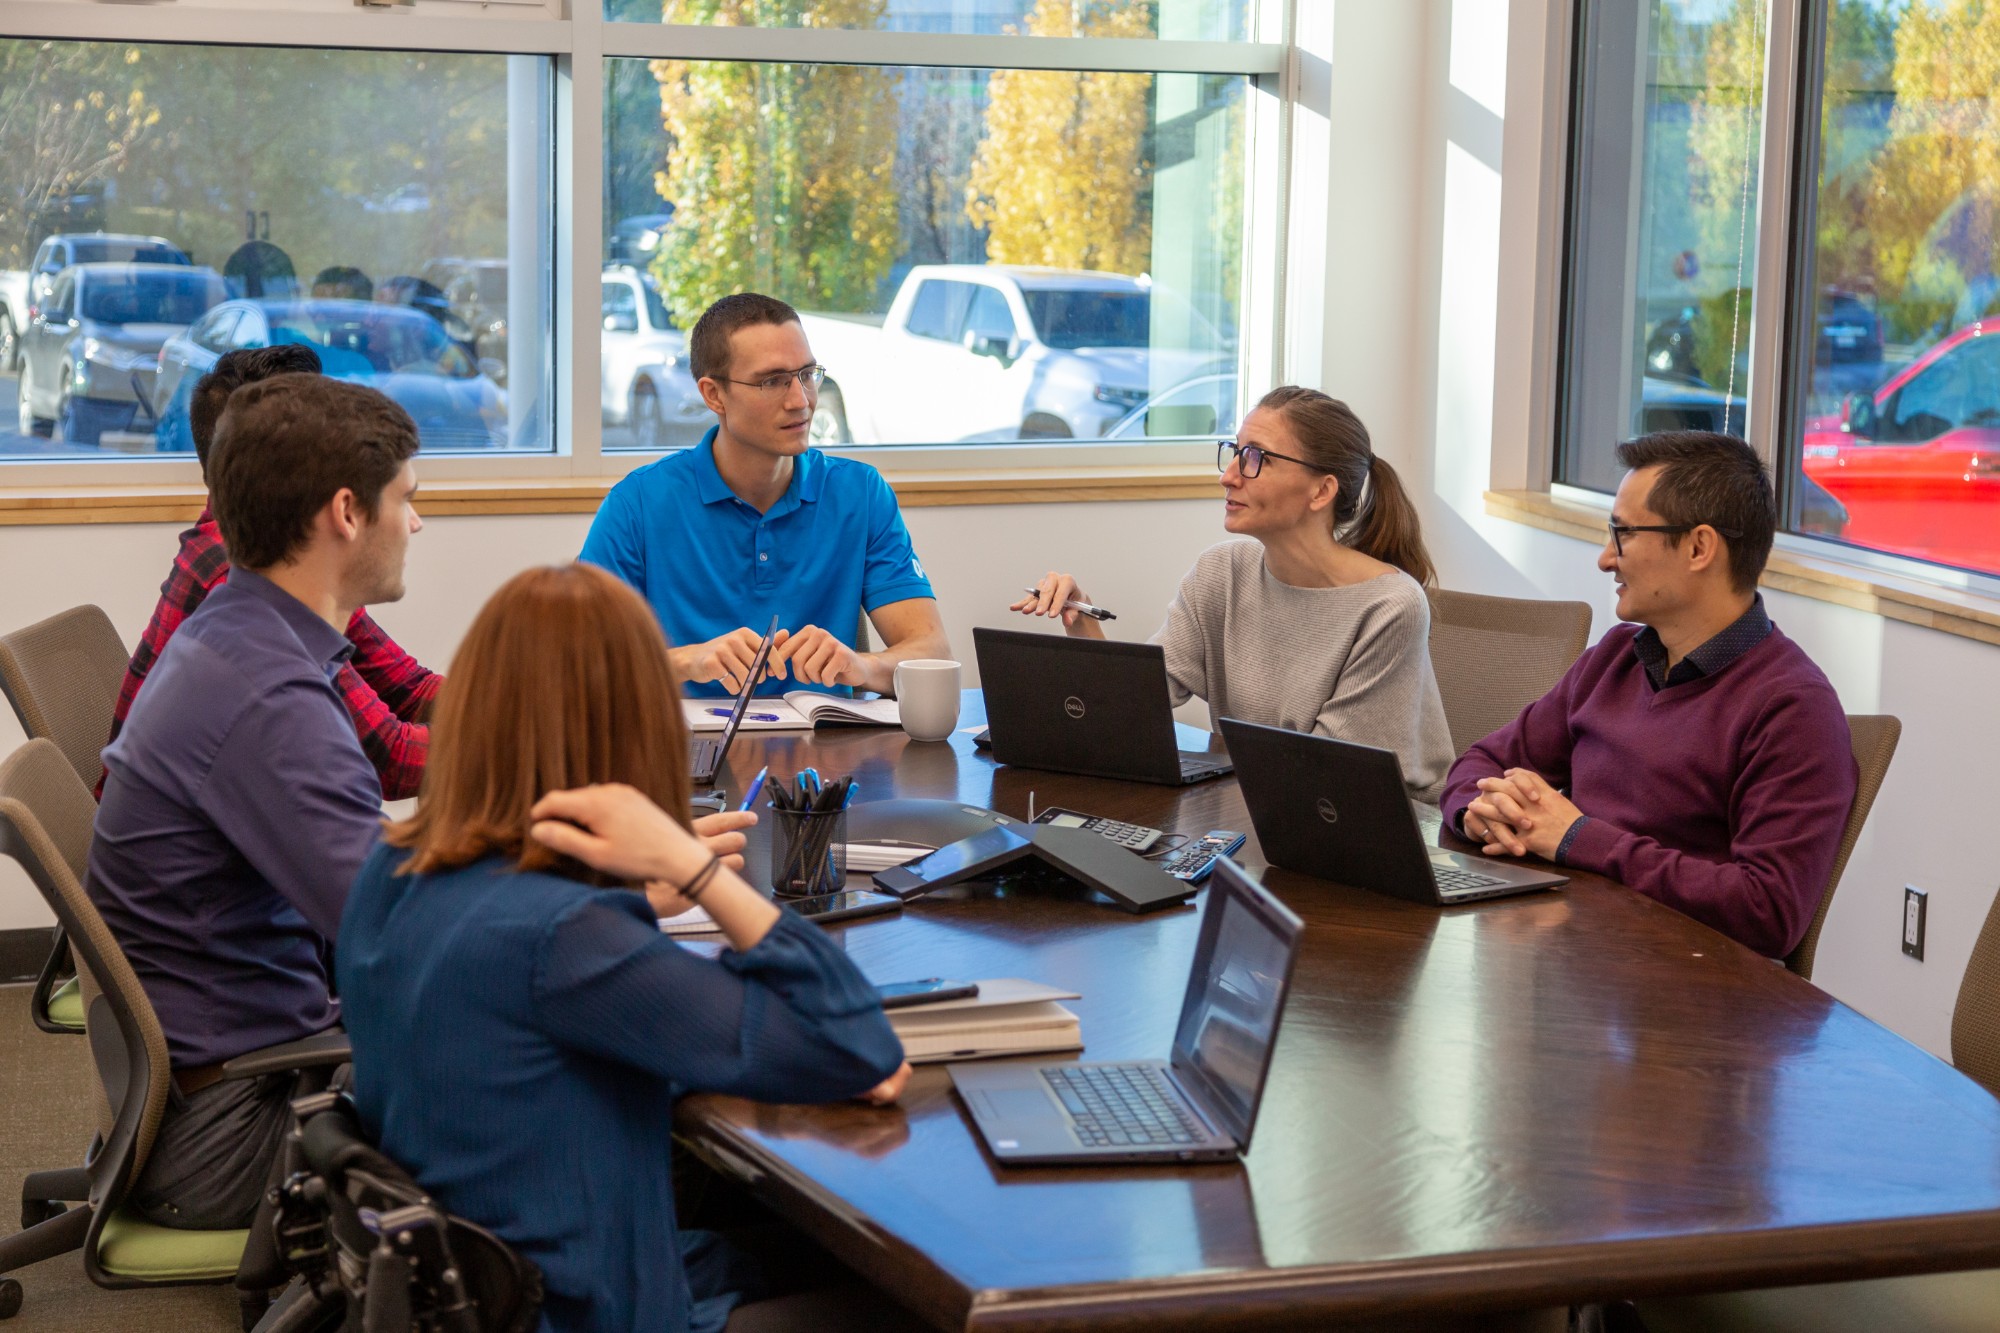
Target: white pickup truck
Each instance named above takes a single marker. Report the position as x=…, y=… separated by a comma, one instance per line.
x=991, y=351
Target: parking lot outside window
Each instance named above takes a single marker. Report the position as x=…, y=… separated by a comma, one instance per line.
x=174, y=202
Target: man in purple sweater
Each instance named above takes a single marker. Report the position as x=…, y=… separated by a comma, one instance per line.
x=1695, y=754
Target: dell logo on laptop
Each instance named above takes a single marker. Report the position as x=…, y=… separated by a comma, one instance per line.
x=1328, y=811
x=1073, y=706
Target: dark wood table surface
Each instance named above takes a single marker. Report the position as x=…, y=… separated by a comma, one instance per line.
x=1523, y=1103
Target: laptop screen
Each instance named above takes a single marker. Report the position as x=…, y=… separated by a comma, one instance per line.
x=1235, y=996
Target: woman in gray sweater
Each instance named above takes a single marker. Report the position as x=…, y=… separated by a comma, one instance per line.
x=1319, y=621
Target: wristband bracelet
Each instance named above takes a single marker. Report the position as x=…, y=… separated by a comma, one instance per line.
x=693, y=891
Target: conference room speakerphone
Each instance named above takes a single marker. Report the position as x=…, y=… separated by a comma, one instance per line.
x=1132, y=837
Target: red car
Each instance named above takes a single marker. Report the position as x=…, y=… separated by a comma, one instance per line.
x=1917, y=461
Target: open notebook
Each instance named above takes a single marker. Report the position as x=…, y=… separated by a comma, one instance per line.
x=796, y=711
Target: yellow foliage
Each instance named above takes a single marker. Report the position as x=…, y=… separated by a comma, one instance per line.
x=1061, y=178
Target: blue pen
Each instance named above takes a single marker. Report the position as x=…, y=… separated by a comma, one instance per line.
x=747, y=717
x=809, y=781
x=756, y=787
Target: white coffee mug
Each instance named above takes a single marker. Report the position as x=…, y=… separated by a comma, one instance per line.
x=927, y=698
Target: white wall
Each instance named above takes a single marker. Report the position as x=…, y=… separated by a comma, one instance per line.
x=1129, y=556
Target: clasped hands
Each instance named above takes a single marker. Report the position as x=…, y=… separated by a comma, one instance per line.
x=1519, y=812
x=814, y=655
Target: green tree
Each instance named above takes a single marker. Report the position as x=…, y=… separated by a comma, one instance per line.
x=70, y=118
x=782, y=177
x=1063, y=176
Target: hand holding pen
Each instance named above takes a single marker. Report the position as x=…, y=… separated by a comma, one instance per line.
x=1057, y=595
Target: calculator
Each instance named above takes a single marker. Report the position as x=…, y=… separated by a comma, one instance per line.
x=1193, y=861
x=1132, y=837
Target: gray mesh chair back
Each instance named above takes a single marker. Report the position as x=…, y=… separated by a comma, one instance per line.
x=43, y=806
x=1874, y=738
x=1975, y=1023
x=62, y=676
x=1493, y=656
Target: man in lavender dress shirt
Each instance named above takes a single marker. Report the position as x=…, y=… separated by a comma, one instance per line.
x=1695, y=754
x=238, y=803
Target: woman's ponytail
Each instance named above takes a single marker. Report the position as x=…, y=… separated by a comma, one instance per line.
x=1389, y=529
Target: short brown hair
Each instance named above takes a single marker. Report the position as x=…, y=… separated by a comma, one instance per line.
x=562, y=681
x=245, y=365
x=286, y=446
x=1714, y=479
x=708, y=343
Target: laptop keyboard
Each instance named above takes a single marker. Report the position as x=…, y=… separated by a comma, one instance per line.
x=1460, y=881
x=1120, y=1105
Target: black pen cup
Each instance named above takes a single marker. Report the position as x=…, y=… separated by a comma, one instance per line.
x=808, y=852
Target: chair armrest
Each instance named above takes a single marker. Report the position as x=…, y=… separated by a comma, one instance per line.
x=319, y=1051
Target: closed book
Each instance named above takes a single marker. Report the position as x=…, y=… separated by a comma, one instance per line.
x=1009, y=1016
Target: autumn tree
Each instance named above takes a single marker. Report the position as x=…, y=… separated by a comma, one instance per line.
x=1063, y=177
x=70, y=117
x=781, y=176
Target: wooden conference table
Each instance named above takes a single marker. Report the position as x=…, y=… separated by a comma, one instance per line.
x=1508, y=1106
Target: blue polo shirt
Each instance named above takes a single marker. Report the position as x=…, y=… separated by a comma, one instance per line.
x=833, y=546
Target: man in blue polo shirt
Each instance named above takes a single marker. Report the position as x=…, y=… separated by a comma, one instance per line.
x=752, y=523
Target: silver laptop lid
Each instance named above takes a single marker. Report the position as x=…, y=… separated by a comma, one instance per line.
x=1235, y=996
x=743, y=695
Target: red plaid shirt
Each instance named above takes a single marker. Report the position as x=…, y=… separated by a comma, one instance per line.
x=388, y=693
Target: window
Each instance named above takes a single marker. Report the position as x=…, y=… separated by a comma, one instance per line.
x=1878, y=393
x=371, y=204
x=979, y=255
x=1187, y=20
x=1662, y=226
x=1897, y=371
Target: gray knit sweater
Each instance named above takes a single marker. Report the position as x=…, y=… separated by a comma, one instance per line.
x=1351, y=662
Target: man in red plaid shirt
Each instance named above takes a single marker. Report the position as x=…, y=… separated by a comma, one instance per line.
x=388, y=693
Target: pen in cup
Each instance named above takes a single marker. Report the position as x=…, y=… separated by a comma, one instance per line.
x=747, y=717
x=1082, y=608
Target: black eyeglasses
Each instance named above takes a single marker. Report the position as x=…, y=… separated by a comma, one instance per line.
x=809, y=379
x=1250, y=458
x=1620, y=531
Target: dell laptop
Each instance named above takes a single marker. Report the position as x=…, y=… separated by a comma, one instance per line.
x=706, y=756
x=1084, y=706
x=1199, y=1104
x=1339, y=811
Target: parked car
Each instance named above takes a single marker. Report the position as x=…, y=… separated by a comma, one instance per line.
x=475, y=290
x=22, y=289
x=89, y=355
x=634, y=239
x=646, y=383
x=1917, y=460
x=977, y=350
x=399, y=351
x=1204, y=405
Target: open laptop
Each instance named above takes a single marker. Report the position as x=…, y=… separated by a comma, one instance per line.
x=1199, y=1104
x=1084, y=706
x=706, y=754
x=1339, y=811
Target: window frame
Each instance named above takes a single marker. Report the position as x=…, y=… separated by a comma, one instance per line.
x=578, y=40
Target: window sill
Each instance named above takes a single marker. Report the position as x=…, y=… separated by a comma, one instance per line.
x=1969, y=615
x=914, y=489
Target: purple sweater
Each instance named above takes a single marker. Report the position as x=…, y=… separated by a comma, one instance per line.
x=1723, y=797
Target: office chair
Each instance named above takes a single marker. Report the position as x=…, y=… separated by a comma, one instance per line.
x=1874, y=738
x=372, y=1251
x=1493, y=656
x=1935, y=1302
x=62, y=675
x=44, y=807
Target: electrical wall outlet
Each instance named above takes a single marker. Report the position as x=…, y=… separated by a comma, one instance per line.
x=1915, y=901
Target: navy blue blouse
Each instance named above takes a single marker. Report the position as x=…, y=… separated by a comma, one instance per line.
x=519, y=1040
